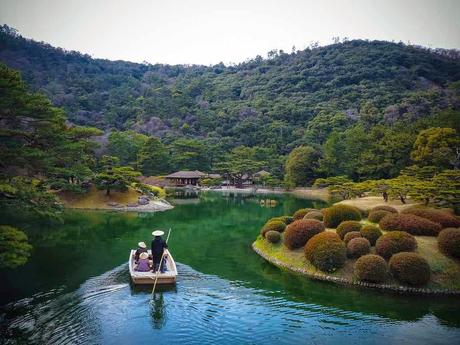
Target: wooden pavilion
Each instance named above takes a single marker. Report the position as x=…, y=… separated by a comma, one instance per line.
x=185, y=178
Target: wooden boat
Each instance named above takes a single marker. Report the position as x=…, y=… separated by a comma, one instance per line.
x=169, y=277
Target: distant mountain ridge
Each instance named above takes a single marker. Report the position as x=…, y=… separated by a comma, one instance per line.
x=270, y=101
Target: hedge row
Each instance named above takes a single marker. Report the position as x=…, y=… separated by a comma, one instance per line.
x=410, y=223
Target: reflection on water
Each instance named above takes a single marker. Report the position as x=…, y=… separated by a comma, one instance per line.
x=225, y=293
x=205, y=309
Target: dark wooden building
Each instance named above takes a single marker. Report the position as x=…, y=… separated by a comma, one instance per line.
x=185, y=178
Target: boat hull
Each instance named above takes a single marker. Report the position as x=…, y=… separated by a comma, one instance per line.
x=148, y=278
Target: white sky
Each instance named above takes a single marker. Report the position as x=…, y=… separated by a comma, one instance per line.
x=210, y=31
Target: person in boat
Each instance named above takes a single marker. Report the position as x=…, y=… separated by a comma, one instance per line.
x=143, y=265
x=142, y=248
x=158, y=247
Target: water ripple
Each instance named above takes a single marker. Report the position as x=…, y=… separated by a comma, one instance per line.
x=202, y=309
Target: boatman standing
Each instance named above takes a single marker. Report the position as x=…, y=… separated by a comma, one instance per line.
x=158, y=247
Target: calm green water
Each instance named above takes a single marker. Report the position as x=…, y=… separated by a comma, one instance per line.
x=76, y=288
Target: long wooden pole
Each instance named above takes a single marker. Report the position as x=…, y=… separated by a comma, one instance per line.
x=161, y=262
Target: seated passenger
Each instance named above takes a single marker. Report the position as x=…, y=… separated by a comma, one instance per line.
x=141, y=249
x=144, y=264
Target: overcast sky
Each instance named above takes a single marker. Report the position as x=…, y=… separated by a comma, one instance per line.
x=210, y=31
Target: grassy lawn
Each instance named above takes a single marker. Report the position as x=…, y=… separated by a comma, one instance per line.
x=97, y=199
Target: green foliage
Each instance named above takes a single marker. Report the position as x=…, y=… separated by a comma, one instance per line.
x=351, y=235
x=336, y=214
x=384, y=208
x=273, y=225
x=301, y=213
x=371, y=233
x=371, y=268
x=14, y=249
x=314, y=215
x=410, y=223
x=346, y=227
x=301, y=166
x=410, y=268
x=358, y=247
x=114, y=177
x=149, y=190
x=376, y=216
x=438, y=147
x=326, y=251
x=449, y=242
x=241, y=161
x=153, y=158
x=285, y=219
x=331, y=181
x=437, y=216
x=395, y=242
x=126, y=146
x=273, y=236
x=300, y=231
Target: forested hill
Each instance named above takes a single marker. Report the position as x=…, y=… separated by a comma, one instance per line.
x=281, y=102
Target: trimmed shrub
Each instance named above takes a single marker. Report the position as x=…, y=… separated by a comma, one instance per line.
x=371, y=268
x=395, y=242
x=299, y=214
x=376, y=216
x=449, y=242
x=358, y=247
x=314, y=215
x=326, y=251
x=410, y=223
x=273, y=225
x=300, y=231
x=273, y=236
x=346, y=227
x=338, y=213
x=351, y=235
x=437, y=216
x=371, y=233
x=410, y=268
x=384, y=208
x=285, y=219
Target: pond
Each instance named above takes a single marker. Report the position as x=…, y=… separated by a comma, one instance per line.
x=76, y=287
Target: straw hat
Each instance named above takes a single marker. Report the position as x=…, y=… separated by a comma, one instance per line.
x=158, y=233
x=142, y=245
x=143, y=256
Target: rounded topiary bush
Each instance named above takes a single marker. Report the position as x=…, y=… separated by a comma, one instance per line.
x=338, y=213
x=314, y=215
x=326, y=251
x=358, y=247
x=410, y=223
x=285, y=219
x=273, y=236
x=449, y=242
x=371, y=233
x=371, y=268
x=443, y=218
x=300, y=231
x=384, y=208
x=376, y=216
x=299, y=214
x=273, y=225
x=395, y=242
x=351, y=235
x=347, y=226
x=410, y=268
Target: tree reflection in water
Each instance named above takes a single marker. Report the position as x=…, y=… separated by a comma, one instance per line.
x=158, y=310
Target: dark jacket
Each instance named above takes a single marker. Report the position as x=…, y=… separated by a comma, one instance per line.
x=158, y=247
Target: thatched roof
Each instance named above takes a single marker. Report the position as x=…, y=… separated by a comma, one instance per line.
x=186, y=174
